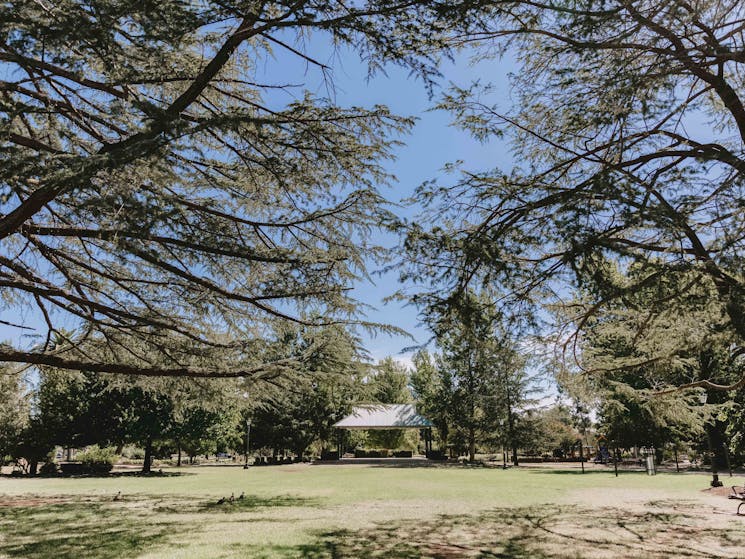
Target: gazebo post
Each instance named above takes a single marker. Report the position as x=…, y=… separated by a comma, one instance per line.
x=339, y=439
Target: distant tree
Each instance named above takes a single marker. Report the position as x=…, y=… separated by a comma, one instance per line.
x=554, y=431
x=432, y=389
x=632, y=353
x=300, y=409
x=388, y=384
x=487, y=372
x=14, y=412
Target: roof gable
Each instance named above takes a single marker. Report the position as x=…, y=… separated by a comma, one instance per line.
x=384, y=416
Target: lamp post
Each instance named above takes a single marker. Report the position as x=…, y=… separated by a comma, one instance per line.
x=248, y=431
x=248, y=435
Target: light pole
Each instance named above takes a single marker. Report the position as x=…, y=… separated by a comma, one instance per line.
x=248, y=435
x=248, y=430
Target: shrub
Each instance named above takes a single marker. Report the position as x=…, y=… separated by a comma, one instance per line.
x=96, y=460
x=72, y=468
x=133, y=452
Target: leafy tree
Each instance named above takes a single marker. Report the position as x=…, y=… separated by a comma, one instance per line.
x=82, y=409
x=636, y=348
x=32, y=447
x=14, y=410
x=77, y=410
x=628, y=133
x=388, y=384
x=432, y=388
x=553, y=431
x=157, y=191
x=485, y=371
x=299, y=410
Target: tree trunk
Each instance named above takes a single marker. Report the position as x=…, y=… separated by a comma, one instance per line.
x=33, y=467
x=471, y=444
x=147, y=462
x=178, y=460
x=471, y=410
x=510, y=424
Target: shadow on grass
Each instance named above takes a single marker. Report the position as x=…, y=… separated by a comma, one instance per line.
x=102, y=475
x=79, y=530
x=187, y=505
x=661, y=530
x=74, y=527
x=578, y=472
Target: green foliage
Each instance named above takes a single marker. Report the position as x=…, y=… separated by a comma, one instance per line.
x=432, y=389
x=13, y=412
x=97, y=460
x=627, y=134
x=82, y=409
x=389, y=383
x=474, y=388
x=32, y=447
x=635, y=349
x=300, y=409
x=164, y=192
x=552, y=432
x=98, y=455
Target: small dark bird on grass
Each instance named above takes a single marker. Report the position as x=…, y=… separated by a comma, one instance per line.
x=118, y=496
x=232, y=497
x=241, y=496
x=221, y=500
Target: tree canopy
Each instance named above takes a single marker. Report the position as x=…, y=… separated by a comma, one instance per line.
x=167, y=197
x=628, y=136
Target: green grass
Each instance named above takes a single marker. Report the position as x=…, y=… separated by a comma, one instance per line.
x=334, y=512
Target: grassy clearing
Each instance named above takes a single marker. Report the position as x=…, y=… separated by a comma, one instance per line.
x=333, y=512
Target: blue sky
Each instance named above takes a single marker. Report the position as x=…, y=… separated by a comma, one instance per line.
x=433, y=142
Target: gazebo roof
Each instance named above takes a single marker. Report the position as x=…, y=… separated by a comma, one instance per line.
x=384, y=416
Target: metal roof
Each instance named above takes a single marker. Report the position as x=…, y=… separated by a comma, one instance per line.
x=384, y=416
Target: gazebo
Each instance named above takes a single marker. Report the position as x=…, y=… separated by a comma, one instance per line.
x=386, y=416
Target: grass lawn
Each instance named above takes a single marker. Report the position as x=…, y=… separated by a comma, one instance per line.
x=354, y=511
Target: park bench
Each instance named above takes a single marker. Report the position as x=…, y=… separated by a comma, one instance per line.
x=738, y=492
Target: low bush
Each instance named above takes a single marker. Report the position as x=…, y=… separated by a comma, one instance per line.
x=372, y=453
x=96, y=460
x=403, y=454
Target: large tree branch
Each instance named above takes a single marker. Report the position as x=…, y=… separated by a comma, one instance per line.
x=12, y=356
